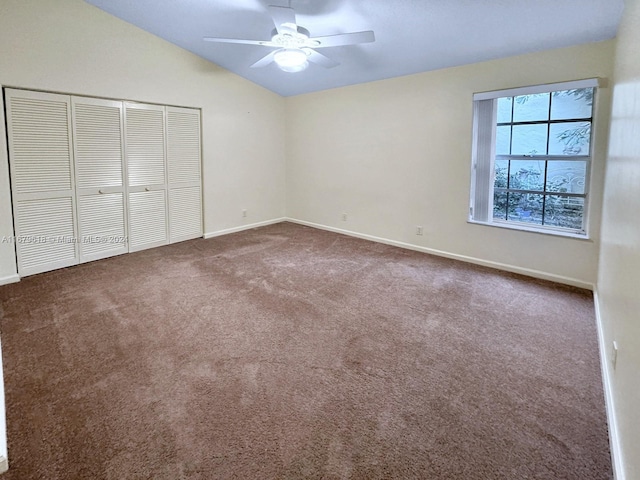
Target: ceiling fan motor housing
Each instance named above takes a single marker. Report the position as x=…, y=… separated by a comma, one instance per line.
x=301, y=30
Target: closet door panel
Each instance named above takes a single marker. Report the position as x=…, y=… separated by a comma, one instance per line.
x=184, y=168
x=42, y=180
x=99, y=163
x=145, y=145
x=183, y=145
x=103, y=226
x=146, y=175
x=147, y=219
x=98, y=143
x=39, y=136
x=185, y=213
x=47, y=238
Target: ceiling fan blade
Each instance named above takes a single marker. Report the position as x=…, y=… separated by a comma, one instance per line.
x=238, y=40
x=283, y=16
x=320, y=59
x=344, y=39
x=264, y=61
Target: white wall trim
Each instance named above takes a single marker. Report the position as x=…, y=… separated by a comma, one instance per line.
x=4, y=462
x=549, y=87
x=605, y=364
x=10, y=279
x=227, y=231
x=463, y=258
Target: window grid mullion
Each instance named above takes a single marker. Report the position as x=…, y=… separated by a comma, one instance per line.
x=546, y=163
x=540, y=122
x=542, y=192
x=545, y=158
x=506, y=210
x=513, y=101
x=544, y=188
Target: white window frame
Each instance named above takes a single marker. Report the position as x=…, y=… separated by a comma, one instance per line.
x=483, y=158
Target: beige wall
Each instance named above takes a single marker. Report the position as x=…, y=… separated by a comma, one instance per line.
x=619, y=278
x=71, y=46
x=396, y=153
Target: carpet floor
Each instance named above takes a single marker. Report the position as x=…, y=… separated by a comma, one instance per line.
x=289, y=352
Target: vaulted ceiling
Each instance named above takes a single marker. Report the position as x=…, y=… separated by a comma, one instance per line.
x=412, y=36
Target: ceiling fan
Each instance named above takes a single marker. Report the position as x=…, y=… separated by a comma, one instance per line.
x=294, y=47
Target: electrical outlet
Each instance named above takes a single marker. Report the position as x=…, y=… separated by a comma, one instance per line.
x=419, y=230
x=244, y=212
x=344, y=217
x=614, y=354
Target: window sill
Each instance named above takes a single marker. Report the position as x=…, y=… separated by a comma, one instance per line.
x=533, y=229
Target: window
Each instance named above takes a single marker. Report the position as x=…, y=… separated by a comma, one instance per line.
x=532, y=157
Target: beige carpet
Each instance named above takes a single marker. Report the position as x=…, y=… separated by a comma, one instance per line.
x=288, y=352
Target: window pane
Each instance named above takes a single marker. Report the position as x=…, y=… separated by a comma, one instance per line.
x=527, y=175
x=569, y=138
x=566, y=176
x=500, y=205
x=525, y=207
x=576, y=103
x=504, y=109
x=564, y=212
x=529, y=140
x=500, y=178
x=528, y=108
x=503, y=140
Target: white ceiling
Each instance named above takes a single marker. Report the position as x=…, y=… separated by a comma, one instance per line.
x=411, y=35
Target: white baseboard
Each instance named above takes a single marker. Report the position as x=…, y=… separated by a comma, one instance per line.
x=463, y=258
x=244, y=227
x=10, y=279
x=605, y=364
x=4, y=462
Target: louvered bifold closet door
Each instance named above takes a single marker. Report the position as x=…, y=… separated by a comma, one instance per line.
x=146, y=176
x=185, y=180
x=99, y=161
x=42, y=180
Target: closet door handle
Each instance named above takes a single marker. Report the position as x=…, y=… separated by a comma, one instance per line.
x=147, y=189
x=100, y=192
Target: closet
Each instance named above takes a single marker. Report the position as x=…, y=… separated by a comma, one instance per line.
x=92, y=178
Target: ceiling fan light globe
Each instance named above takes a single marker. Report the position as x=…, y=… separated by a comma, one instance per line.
x=291, y=59
x=297, y=68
